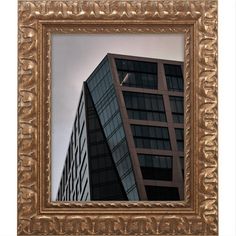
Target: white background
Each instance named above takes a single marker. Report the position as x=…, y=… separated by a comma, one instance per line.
x=227, y=117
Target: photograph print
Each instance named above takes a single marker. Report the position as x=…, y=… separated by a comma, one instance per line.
x=117, y=117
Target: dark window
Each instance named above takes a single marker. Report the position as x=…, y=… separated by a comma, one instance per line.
x=156, y=167
x=77, y=189
x=69, y=157
x=68, y=193
x=64, y=179
x=180, y=138
x=151, y=137
x=162, y=193
x=80, y=172
x=81, y=106
x=174, y=77
x=86, y=198
x=74, y=196
x=84, y=188
x=70, y=184
x=75, y=133
x=83, y=161
x=76, y=158
x=177, y=108
x=98, y=74
x=144, y=106
x=73, y=171
x=181, y=159
x=66, y=169
x=100, y=81
x=84, y=171
x=137, y=73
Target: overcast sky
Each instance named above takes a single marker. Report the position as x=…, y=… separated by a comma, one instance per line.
x=74, y=57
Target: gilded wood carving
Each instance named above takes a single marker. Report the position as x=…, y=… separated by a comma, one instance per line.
x=197, y=214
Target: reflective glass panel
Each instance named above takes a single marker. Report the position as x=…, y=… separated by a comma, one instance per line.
x=137, y=73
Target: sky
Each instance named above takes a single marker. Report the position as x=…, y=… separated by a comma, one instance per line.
x=74, y=57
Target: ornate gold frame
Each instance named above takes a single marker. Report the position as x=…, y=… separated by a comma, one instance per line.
x=197, y=214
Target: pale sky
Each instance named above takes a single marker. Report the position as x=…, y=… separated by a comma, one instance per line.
x=74, y=57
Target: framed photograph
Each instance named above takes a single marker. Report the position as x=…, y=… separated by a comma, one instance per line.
x=117, y=117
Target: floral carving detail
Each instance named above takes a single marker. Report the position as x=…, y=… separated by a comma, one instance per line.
x=162, y=9
x=36, y=214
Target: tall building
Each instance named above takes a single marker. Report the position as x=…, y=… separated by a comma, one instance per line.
x=127, y=141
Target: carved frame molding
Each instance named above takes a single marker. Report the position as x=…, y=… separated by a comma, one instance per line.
x=197, y=214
